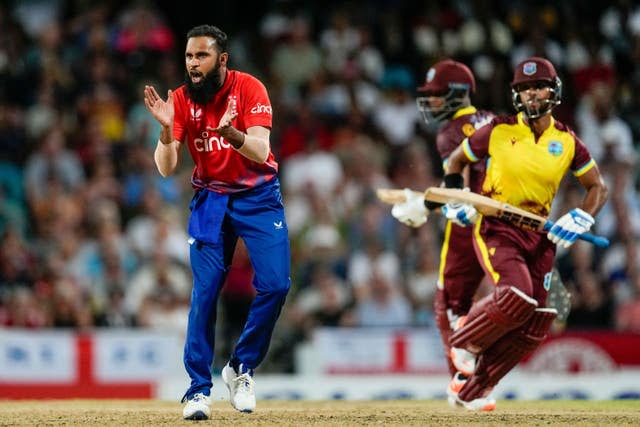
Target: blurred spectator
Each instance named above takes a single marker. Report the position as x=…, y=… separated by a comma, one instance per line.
x=323, y=302
x=295, y=61
x=368, y=261
x=396, y=116
x=364, y=163
x=328, y=96
x=115, y=314
x=140, y=180
x=312, y=170
x=610, y=141
x=13, y=214
x=628, y=313
x=18, y=262
x=421, y=282
x=105, y=261
x=23, y=310
x=141, y=28
x=339, y=41
x=102, y=183
x=51, y=173
x=320, y=244
x=538, y=42
x=41, y=116
x=384, y=305
x=158, y=228
x=157, y=278
x=368, y=58
x=141, y=128
x=52, y=162
x=591, y=307
x=13, y=140
x=305, y=132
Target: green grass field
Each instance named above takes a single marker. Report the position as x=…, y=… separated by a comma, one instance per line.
x=321, y=413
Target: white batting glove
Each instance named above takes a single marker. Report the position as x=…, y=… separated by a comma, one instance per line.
x=412, y=212
x=462, y=214
x=569, y=227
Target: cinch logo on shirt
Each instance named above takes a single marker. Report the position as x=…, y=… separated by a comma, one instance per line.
x=206, y=143
x=259, y=108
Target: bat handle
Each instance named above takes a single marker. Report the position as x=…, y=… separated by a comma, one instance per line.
x=599, y=241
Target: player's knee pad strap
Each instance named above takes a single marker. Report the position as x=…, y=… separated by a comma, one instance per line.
x=499, y=359
x=505, y=309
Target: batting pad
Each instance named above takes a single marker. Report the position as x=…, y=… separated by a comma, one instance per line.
x=503, y=310
x=499, y=359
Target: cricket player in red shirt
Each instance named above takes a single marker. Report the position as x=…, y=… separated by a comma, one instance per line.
x=526, y=157
x=224, y=118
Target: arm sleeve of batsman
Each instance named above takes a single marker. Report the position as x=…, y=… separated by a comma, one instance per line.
x=413, y=211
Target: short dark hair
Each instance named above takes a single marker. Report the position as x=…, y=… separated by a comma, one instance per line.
x=210, y=31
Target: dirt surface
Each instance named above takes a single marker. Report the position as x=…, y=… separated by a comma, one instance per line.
x=326, y=413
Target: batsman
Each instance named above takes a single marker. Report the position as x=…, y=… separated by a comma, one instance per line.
x=526, y=157
x=445, y=100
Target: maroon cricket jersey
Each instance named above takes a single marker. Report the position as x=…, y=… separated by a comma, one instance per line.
x=464, y=123
x=459, y=273
x=218, y=167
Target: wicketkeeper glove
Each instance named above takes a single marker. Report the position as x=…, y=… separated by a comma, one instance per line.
x=569, y=227
x=413, y=211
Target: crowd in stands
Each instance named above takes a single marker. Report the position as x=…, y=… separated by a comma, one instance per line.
x=92, y=236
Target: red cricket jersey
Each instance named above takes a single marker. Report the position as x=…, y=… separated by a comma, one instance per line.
x=218, y=167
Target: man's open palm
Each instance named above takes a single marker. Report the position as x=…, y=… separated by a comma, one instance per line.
x=161, y=110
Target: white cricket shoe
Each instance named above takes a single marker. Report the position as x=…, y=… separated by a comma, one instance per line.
x=454, y=387
x=241, y=393
x=197, y=408
x=484, y=404
x=463, y=360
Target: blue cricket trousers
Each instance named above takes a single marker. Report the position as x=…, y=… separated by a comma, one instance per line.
x=257, y=216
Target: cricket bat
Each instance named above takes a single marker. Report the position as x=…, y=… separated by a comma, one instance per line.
x=486, y=206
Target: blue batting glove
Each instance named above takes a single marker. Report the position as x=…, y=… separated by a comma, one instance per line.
x=569, y=227
x=462, y=214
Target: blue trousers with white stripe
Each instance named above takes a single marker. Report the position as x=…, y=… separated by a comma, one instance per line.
x=256, y=216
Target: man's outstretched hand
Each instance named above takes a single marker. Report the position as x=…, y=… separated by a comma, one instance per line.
x=162, y=110
x=226, y=122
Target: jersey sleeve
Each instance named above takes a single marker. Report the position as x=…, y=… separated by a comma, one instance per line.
x=179, y=117
x=582, y=160
x=256, y=107
x=476, y=146
x=445, y=147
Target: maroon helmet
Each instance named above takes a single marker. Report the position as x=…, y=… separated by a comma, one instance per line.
x=446, y=75
x=451, y=80
x=535, y=72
